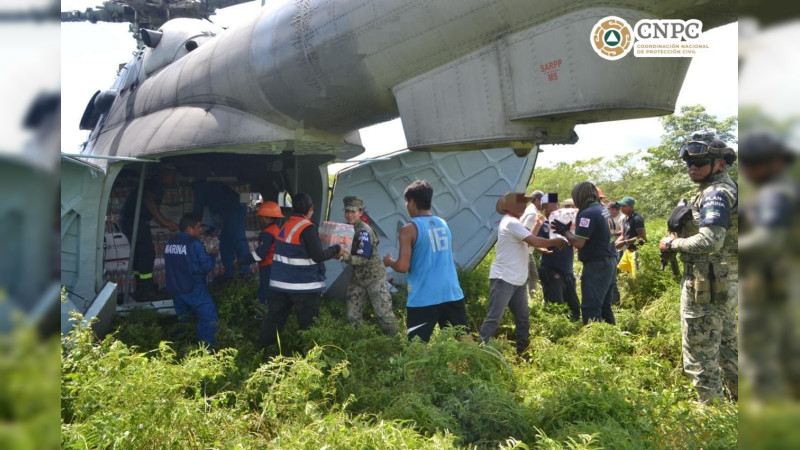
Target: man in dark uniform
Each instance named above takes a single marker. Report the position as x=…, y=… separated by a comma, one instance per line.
x=595, y=244
x=556, y=266
x=144, y=252
x=223, y=202
x=633, y=235
x=297, y=278
x=187, y=265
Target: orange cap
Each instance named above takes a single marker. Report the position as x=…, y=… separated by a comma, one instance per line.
x=270, y=209
x=600, y=194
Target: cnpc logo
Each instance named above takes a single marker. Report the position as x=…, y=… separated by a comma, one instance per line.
x=612, y=37
x=673, y=30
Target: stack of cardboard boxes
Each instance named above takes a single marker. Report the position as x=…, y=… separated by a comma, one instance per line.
x=177, y=201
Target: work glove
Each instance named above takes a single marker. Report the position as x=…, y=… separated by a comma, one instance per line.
x=561, y=227
x=337, y=247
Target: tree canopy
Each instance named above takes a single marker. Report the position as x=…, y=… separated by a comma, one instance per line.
x=654, y=176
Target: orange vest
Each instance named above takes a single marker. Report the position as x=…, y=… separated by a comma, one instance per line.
x=293, y=271
x=272, y=229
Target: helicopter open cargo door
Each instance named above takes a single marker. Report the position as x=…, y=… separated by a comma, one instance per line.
x=466, y=186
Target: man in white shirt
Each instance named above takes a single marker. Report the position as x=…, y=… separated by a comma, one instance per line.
x=532, y=220
x=508, y=276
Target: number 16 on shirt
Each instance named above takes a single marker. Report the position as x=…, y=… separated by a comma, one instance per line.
x=438, y=238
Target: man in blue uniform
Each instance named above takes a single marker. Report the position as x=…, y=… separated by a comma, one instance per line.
x=187, y=266
x=595, y=244
x=426, y=253
x=298, y=275
x=556, y=267
x=223, y=202
x=144, y=253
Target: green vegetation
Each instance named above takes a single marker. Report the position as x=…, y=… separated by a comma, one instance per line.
x=576, y=387
x=149, y=385
x=28, y=389
x=655, y=176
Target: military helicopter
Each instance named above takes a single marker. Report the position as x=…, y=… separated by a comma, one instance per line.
x=269, y=104
x=148, y=14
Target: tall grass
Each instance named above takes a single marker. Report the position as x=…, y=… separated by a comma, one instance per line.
x=335, y=385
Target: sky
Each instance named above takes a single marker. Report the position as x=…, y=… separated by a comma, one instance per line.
x=27, y=68
x=91, y=53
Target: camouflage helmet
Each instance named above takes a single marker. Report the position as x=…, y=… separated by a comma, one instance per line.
x=705, y=144
x=353, y=203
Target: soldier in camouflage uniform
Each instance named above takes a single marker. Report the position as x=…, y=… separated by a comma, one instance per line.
x=707, y=245
x=369, y=276
x=769, y=241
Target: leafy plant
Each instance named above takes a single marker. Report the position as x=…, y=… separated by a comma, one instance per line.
x=596, y=386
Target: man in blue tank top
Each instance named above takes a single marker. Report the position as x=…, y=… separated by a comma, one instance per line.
x=426, y=253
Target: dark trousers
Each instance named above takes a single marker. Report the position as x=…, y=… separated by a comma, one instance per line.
x=263, y=283
x=420, y=321
x=233, y=242
x=144, y=254
x=280, y=304
x=597, y=285
x=560, y=288
x=504, y=294
x=144, y=257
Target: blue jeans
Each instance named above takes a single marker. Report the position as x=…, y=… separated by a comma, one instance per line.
x=233, y=242
x=597, y=284
x=200, y=303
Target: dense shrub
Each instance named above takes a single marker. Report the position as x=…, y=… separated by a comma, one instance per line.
x=344, y=387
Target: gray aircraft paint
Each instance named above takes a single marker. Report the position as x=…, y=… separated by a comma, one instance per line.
x=303, y=76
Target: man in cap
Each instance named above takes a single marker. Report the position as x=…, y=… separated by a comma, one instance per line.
x=507, y=276
x=633, y=235
x=556, y=267
x=144, y=251
x=593, y=239
x=533, y=220
x=769, y=244
x=707, y=244
x=369, y=276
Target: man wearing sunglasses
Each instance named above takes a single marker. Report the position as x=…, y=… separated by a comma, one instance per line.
x=708, y=248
